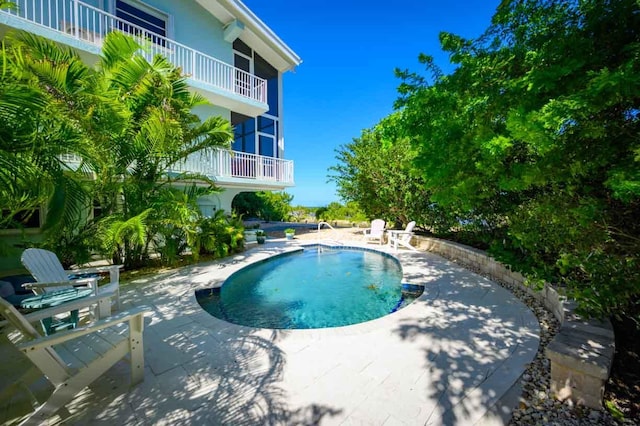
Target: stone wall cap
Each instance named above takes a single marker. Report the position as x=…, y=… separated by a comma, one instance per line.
x=576, y=324
x=585, y=352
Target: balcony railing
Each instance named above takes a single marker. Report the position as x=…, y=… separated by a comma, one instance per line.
x=220, y=165
x=90, y=24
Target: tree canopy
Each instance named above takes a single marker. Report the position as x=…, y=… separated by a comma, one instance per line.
x=535, y=137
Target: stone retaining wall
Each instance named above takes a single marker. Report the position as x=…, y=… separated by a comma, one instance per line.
x=580, y=354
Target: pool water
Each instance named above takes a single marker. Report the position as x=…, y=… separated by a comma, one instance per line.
x=315, y=288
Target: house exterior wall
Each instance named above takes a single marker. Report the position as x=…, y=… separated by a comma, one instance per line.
x=192, y=26
x=188, y=24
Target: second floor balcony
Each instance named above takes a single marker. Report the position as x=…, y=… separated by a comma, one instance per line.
x=230, y=169
x=84, y=27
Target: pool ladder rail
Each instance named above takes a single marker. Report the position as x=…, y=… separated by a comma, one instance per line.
x=329, y=241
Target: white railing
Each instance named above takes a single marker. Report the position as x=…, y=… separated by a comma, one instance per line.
x=90, y=24
x=219, y=164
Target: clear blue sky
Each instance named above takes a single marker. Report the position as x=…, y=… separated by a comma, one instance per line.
x=346, y=83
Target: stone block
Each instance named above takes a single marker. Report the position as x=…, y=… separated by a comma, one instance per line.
x=574, y=385
x=580, y=364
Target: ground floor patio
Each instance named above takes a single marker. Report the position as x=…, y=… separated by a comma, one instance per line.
x=454, y=356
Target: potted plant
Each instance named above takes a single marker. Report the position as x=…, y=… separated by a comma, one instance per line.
x=261, y=236
x=289, y=233
x=250, y=233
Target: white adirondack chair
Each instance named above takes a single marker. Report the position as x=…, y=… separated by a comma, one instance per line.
x=376, y=232
x=46, y=268
x=402, y=237
x=73, y=359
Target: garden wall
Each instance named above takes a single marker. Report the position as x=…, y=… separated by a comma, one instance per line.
x=580, y=354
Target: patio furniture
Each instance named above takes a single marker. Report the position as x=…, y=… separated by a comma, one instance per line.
x=376, y=232
x=402, y=237
x=54, y=298
x=8, y=292
x=73, y=359
x=46, y=268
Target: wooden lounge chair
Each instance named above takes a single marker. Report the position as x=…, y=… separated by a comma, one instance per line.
x=376, y=232
x=73, y=359
x=402, y=237
x=46, y=268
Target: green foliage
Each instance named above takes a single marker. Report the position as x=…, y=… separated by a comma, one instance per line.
x=530, y=146
x=128, y=121
x=320, y=213
x=536, y=131
x=614, y=410
x=265, y=205
x=219, y=235
x=335, y=211
x=375, y=172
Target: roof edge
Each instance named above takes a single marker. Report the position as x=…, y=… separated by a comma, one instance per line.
x=262, y=30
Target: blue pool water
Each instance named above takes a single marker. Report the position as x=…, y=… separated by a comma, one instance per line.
x=316, y=288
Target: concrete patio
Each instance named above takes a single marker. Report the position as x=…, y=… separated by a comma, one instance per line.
x=452, y=357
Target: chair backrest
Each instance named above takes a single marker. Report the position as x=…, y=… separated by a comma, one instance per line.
x=45, y=267
x=377, y=227
x=409, y=231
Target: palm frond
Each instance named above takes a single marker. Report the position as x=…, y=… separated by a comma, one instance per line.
x=68, y=204
x=116, y=49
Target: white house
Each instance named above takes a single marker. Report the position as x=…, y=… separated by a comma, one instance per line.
x=229, y=55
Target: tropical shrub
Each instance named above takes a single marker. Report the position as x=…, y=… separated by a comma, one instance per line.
x=220, y=235
x=265, y=205
x=128, y=120
x=530, y=144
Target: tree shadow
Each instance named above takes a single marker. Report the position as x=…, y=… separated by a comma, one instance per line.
x=478, y=340
x=198, y=369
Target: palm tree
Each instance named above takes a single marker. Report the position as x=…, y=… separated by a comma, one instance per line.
x=37, y=82
x=128, y=121
x=159, y=132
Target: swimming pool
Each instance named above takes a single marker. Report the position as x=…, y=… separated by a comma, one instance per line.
x=316, y=287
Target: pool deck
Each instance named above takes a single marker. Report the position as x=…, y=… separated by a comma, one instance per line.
x=452, y=357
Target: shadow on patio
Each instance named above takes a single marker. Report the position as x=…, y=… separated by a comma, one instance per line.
x=480, y=339
x=198, y=370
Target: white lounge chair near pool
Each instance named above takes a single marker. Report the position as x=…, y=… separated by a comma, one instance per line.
x=46, y=268
x=376, y=232
x=73, y=359
x=402, y=237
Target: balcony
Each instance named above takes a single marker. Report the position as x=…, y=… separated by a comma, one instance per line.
x=230, y=169
x=84, y=27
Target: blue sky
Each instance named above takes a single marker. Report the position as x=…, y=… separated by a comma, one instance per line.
x=346, y=82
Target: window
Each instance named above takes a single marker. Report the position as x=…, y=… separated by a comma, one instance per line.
x=264, y=70
x=241, y=47
x=28, y=219
x=266, y=125
x=244, y=133
x=153, y=22
x=256, y=135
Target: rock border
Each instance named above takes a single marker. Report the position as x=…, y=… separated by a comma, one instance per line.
x=580, y=354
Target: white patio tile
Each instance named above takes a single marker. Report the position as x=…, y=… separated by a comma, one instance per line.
x=446, y=358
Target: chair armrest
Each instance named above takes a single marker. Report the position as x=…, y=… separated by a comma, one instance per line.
x=114, y=271
x=66, y=307
x=91, y=282
x=65, y=336
x=106, y=268
x=399, y=232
